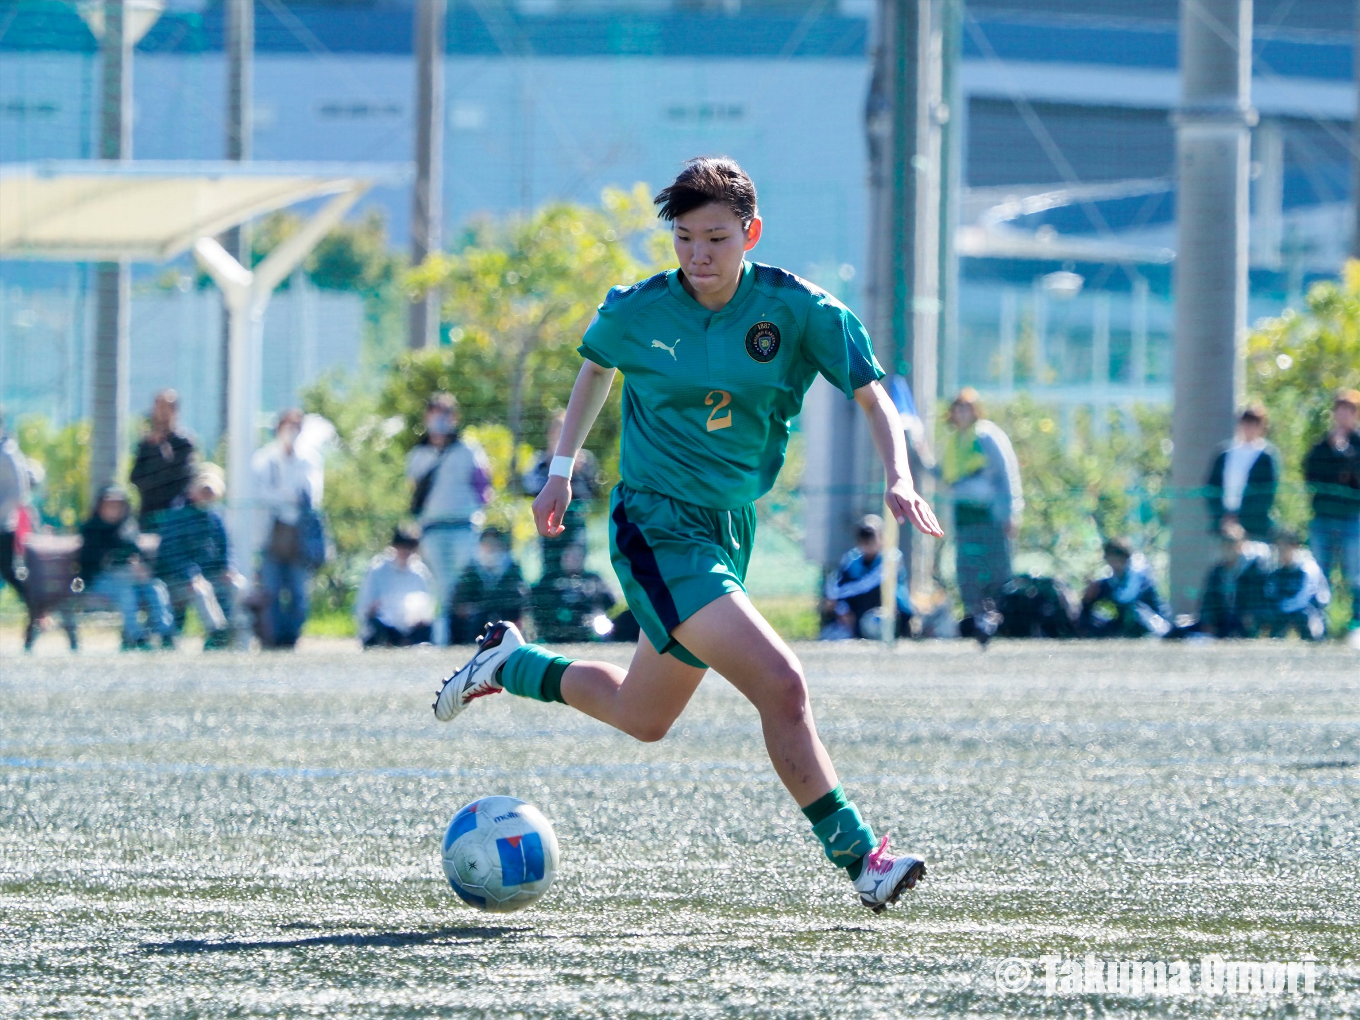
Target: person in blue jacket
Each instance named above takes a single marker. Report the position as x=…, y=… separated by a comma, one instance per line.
x=853, y=603
x=1124, y=603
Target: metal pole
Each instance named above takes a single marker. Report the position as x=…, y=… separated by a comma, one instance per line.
x=1213, y=137
x=1355, y=135
x=914, y=229
x=427, y=209
x=240, y=135
x=113, y=281
x=953, y=121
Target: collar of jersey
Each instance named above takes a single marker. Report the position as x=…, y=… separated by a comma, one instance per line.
x=677, y=289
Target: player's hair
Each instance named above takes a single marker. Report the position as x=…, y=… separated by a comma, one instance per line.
x=1118, y=547
x=406, y=536
x=1351, y=397
x=1255, y=412
x=970, y=398
x=708, y=179
x=871, y=526
x=445, y=402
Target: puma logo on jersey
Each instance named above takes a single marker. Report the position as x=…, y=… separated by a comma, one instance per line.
x=668, y=349
x=847, y=853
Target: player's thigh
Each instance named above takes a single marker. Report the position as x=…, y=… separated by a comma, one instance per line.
x=734, y=639
x=658, y=686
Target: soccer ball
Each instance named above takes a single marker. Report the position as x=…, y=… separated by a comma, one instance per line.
x=500, y=854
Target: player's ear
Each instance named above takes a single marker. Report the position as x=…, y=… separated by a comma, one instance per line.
x=753, y=233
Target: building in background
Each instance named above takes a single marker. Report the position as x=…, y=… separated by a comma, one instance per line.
x=1066, y=216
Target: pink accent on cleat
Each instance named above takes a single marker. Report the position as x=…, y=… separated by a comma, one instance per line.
x=885, y=876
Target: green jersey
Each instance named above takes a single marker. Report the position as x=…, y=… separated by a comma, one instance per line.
x=708, y=396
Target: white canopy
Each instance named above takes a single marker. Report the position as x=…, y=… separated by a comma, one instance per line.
x=152, y=210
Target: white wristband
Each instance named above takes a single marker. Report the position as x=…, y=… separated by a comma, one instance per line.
x=561, y=467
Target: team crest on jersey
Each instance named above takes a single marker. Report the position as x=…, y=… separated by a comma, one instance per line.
x=762, y=341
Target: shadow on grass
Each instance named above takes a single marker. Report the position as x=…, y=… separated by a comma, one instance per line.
x=348, y=940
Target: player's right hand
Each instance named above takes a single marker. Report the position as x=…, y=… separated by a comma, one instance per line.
x=551, y=504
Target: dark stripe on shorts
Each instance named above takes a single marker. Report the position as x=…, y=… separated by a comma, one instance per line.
x=646, y=572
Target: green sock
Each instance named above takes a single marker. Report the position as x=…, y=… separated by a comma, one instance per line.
x=845, y=837
x=531, y=671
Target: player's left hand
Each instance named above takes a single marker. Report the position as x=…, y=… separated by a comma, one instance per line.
x=550, y=505
x=906, y=504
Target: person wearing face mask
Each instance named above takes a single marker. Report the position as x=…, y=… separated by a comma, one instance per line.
x=288, y=483
x=451, y=483
x=1332, y=470
x=490, y=588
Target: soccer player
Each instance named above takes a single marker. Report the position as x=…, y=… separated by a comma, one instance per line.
x=717, y=356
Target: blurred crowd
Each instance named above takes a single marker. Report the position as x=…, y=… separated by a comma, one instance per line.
x=1266, y=582
x=446, y=575
x=442, y=578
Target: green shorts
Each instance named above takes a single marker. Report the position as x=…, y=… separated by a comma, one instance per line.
x=674, y=558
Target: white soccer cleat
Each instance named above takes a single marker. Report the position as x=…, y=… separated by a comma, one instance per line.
x=885, y=877
x=480, y=676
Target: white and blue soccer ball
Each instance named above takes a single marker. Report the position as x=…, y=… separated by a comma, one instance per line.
x=500, y=854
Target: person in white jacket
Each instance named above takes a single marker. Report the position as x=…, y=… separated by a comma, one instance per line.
x=288, y=479
x=395, y=606
x=978, y=465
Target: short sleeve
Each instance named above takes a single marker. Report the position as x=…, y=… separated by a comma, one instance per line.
x=838, y=345
x=604, y=335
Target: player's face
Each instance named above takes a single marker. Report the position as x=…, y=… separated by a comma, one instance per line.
x=710, y=243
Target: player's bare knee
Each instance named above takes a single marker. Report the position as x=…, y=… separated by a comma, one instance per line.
x=649, y=731
x=787, y=697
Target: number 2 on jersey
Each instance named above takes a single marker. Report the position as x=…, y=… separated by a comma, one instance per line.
x=716, y=421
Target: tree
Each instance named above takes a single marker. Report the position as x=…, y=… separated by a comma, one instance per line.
x=1295, y=364
x=1084, y=485
x=520, y=293
x=64, y=454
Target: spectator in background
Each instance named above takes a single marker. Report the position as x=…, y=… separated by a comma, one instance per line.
x=111, y=567
x=288, y=483
x=491, y=588
x=977, y=464
x=853, y=602
x=164, y=462
x=570, y=601
x=1124, y=603
x=395, y=606
x=14, y=495
x=195, y=560
x=585, y=489
x=1243, y=478
x=1234, y=590
x=1332, y=470
x=1297, y=595
x=452, y=483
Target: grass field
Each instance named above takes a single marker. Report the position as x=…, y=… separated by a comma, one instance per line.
x=257, y=836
